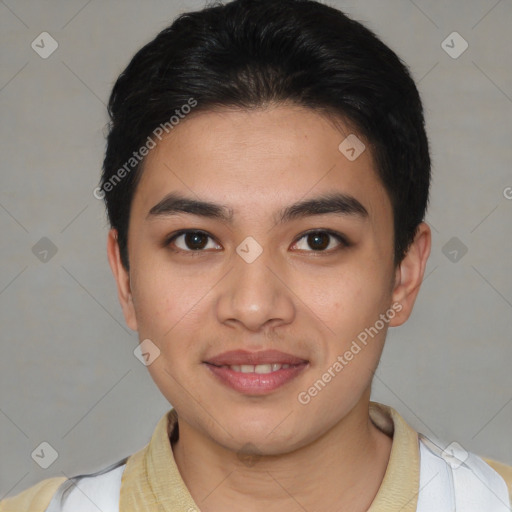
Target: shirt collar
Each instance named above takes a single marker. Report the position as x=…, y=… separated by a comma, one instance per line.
x=151, y=481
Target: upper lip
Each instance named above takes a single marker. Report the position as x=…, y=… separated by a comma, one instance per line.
x=239, y=357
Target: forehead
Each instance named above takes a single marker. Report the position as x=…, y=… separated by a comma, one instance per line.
x=259, y=160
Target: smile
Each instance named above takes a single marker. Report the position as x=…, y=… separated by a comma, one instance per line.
x=259, y=368
x=258, y=379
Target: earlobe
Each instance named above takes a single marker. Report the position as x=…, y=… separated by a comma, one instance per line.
x=409, y=274
x=122, y=278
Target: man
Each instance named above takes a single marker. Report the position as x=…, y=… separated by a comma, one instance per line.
x=266, y=180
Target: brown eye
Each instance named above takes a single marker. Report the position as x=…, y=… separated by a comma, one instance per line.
x=195, y=240
x=191, y=241
x=319, y=241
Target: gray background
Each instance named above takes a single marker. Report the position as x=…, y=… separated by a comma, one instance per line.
x=67, y=370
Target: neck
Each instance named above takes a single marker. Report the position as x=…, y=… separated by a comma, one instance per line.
x=341, y=470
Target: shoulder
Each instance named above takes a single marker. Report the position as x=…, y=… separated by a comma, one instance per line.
x=468, y=480
x=71, y=495
x=101, y=488
x=33, y=499
x=503, y=470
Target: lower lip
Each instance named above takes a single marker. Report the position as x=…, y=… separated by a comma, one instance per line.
x=256, y=383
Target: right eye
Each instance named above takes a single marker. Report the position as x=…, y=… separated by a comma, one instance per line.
x=190, y=241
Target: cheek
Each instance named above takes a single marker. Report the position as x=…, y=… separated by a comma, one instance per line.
x=351, y=306
x=350, y=296
x=158, y=303
x=171, y=308
x=161, y=294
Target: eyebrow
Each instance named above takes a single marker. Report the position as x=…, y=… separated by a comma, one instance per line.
x=332, y=203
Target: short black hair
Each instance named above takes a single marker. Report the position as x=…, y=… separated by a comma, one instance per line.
x=249, y=54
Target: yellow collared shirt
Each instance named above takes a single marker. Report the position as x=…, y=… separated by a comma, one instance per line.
x=151, y=480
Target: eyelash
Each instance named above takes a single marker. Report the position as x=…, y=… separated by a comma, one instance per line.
x=338, y=236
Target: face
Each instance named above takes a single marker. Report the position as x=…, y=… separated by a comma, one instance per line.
x=293, y=253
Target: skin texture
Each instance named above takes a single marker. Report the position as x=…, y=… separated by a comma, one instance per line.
x=325, y=455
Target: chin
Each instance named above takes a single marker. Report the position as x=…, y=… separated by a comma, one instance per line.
x=269, y=437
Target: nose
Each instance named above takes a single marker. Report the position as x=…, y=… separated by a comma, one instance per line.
x=255, y=295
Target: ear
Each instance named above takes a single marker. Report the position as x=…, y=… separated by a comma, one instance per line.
x=409, y=274
x=122, y=277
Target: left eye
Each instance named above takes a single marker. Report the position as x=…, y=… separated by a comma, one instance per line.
x=320, y=241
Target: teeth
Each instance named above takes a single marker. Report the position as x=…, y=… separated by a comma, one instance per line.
x=259, y=368
x=266, y=368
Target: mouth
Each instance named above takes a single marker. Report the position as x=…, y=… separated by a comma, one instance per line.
x=255, y=373
x=261, y=369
